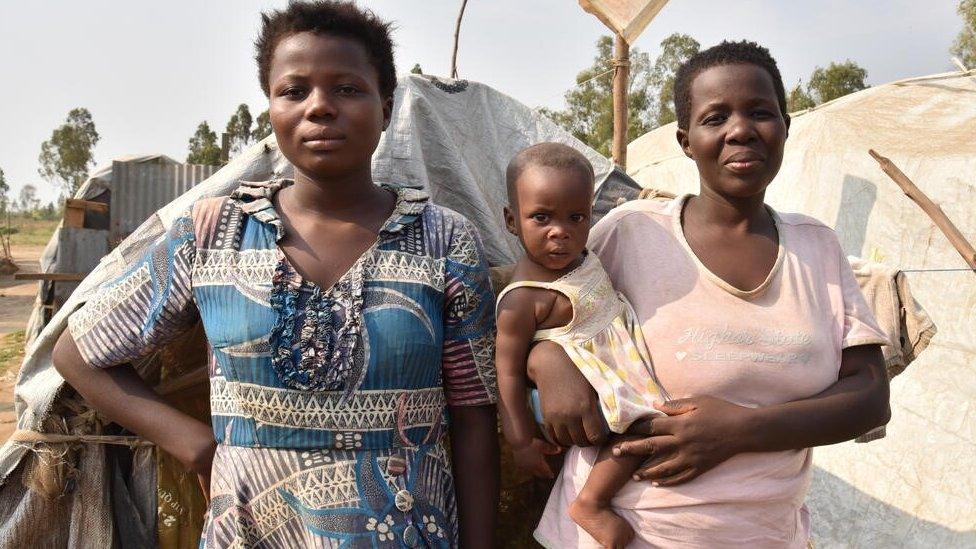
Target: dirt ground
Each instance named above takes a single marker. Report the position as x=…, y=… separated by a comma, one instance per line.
x=16, y=303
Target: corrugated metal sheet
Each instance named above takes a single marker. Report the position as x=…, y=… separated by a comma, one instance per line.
x=141, y=188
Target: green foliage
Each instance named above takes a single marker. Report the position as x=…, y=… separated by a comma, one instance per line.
x=964, y=46
x=239, y=129
x=675, y=50
x=837, y=80
x=28, y=198
x=589, y=112
x=650, y=96
x=203, y=147
x=67, y=156
x=262, y=127
x=797, y=99
x=416, y=69
x=4, y=189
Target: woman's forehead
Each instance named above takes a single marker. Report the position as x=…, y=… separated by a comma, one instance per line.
x=307, y=52
x=739, y=81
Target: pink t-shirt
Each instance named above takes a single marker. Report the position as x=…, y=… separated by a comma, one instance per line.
x=777, y=343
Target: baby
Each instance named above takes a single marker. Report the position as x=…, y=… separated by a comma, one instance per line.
x=561, y=296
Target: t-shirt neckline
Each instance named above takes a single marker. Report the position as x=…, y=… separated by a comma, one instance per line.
x=679, y=233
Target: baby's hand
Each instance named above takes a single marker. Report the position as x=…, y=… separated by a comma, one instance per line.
x=532, y=457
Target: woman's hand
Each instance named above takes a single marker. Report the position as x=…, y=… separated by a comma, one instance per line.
x=569, y=404
x=197, y=453
x=532, y=458
x=697, y=434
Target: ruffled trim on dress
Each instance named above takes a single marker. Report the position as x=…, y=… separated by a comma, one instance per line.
x=317, y=342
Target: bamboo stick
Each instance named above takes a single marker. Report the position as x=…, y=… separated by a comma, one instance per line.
x=933, y=210
x=621, y=65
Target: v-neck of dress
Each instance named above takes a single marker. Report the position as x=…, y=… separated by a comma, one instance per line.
x=409, y=203
x=679, y=233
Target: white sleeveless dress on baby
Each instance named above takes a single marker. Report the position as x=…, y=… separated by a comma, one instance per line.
x=604, y=340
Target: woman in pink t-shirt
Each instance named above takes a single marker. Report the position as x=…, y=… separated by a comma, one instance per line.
x=755, y=325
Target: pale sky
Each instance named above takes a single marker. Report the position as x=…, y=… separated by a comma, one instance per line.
x=150, y=71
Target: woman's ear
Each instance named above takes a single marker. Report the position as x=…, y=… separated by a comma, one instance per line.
x=683, y=142
x=510, y=224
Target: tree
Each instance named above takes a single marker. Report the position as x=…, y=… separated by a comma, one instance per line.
x=262, y=127
x=675, y=50
x=416, y=69
x=797, y=99
x=837, y=80
x=28, y=198
x=203, y=147
x=239, y=129
x=67, y=156
x=589, y=112
x=965, y=45
x=4, y=190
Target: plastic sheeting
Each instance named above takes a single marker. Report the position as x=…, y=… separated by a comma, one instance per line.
x=628, y=18
x=453, y=138
x=917, y=486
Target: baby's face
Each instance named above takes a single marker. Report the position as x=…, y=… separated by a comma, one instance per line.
x=551, y=215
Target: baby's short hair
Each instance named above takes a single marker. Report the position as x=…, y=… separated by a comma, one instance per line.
x=332, y=18
x=726, y=53
x=546, y=155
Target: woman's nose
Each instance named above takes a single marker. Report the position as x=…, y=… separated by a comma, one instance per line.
x=741, y=129
x=320, y=105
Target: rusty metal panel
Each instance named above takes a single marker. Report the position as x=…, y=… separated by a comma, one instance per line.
x=141, y=188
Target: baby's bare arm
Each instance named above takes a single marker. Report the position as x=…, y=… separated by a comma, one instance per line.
x=516, y=322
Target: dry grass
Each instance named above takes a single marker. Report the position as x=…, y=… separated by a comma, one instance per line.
x=11, y=352
x=30, y=232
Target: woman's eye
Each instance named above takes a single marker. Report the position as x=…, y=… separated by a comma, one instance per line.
x=293, y=93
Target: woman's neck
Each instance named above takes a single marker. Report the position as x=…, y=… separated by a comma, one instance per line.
x=740, y=214
x=350, y=192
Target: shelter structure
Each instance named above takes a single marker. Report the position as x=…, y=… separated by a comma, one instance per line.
x=917, y=486
x=452, y=137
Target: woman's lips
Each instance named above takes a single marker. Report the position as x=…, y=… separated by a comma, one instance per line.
x=324, y=143
x=744, y=166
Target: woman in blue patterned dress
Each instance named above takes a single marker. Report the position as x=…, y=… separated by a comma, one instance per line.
x=350, y=325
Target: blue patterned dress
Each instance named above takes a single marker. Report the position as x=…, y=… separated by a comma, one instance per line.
x=330, y=406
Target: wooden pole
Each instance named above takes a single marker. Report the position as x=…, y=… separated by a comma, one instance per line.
x=457, y=33
x=933, y=210
x=621, y=65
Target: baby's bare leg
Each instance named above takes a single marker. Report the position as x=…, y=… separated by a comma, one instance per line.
x=592, y=510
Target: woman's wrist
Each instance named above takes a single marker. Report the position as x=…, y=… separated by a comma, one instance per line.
x=748, y=431
x=196, y=446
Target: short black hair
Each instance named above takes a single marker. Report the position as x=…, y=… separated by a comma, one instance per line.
x=726, y=53
x=546, y=155
x=334, y=18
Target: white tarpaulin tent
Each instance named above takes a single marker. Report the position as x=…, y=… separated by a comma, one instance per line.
x=917, y=486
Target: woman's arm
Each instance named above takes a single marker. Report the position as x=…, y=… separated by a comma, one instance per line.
x=702, y=432
x=122, y=396
x=474, y=453
x=569, y=403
